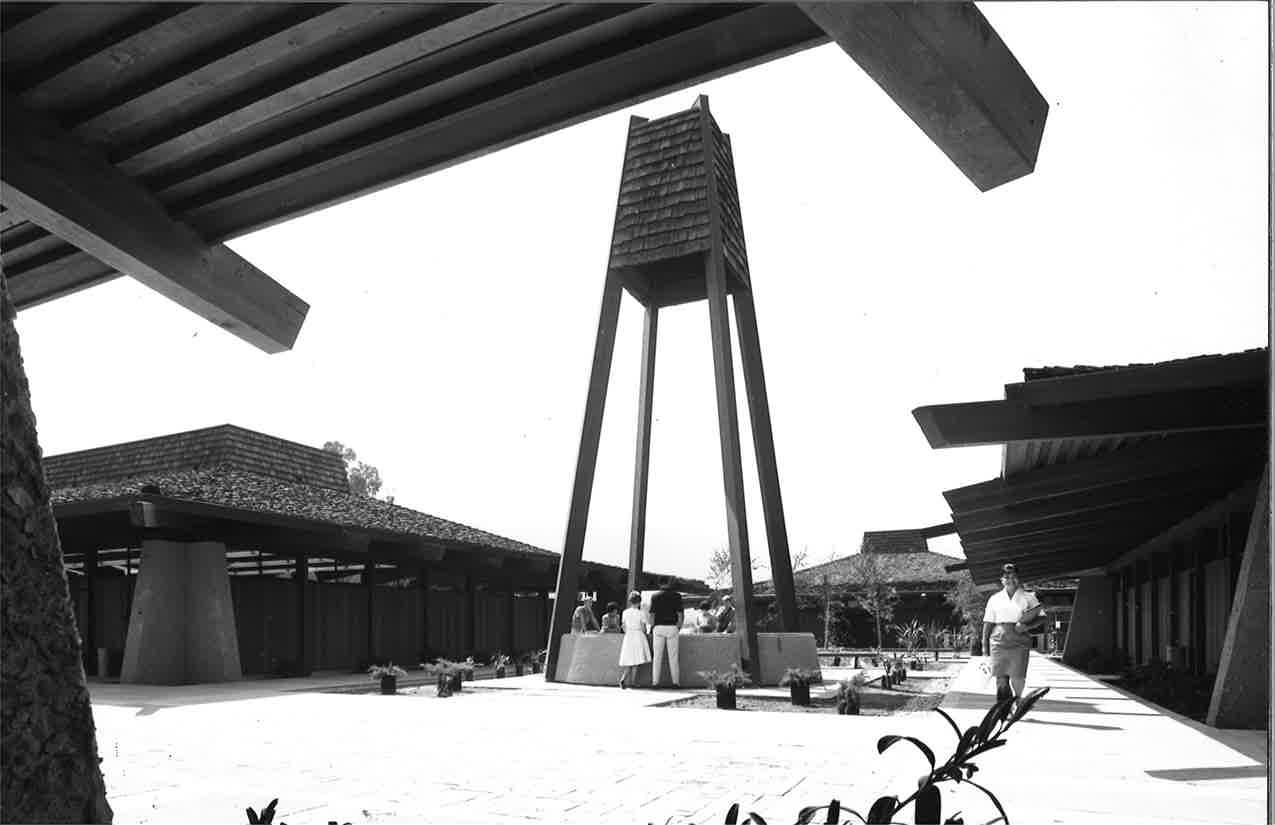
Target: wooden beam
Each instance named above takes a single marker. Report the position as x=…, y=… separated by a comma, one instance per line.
x=1155, y=458
x=65, y=187
x=56, y=277
x=938, y=530
x=728, y=417
x=642, y=461
x=950, y=72
x=1006, y=422
x=767, y=464
x=1103, y=500
x=586, y=463
x=715, y=41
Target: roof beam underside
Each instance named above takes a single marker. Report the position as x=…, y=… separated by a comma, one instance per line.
x=950, y=72
x=64, y=186
x=1005, y=422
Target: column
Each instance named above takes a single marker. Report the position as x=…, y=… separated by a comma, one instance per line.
x=1092, y=620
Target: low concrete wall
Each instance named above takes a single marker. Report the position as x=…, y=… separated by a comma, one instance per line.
x=593, y=658
x=780, y=651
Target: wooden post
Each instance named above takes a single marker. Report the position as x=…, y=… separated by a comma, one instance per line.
x=90, y=612
x=586, y=464
x=471, y=609
x=511, y=622
x=1154, y=618
x=303, y=648
x=1197, y=606
x=369, y=587
x=641, y=471
x=767, y=466
x=422, y=579
x=728, y=419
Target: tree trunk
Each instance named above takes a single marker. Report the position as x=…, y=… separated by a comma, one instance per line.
x=50, y=767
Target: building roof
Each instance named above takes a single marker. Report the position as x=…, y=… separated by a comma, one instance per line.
x=895, y=541
x=1102, y=462
x=906, y=571
x=247, y=474
x=226, y=446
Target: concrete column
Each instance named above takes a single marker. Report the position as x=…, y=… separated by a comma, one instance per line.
x=1092, y=620
x=1241, y=693
x=182, y=625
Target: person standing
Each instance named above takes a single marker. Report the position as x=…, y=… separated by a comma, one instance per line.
x=666, y=618
x=1006, y=633
x=583, y=619
x=726, y=616
x=633, y=648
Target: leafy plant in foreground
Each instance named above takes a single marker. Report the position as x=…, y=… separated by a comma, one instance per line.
x=927, y=802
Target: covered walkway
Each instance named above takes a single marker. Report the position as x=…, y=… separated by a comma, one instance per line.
x=1092, y=753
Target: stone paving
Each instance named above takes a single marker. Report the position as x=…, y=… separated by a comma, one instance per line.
x=522, y=750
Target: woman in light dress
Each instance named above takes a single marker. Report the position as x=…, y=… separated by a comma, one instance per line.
x=634, y=649
x=1007, y=625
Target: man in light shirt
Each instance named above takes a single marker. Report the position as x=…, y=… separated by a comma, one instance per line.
x=1007, y=622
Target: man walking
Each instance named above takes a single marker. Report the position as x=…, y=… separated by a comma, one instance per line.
x=666, y=618
x=726, y=616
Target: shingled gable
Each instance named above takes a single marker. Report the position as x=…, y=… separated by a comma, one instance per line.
x=901, y=555
x=226, y=446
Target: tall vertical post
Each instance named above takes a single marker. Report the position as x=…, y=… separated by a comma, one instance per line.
x=303, y=615
x=586, y=464
x=728, y=417
x=369, y=587
x=90, y=611
x=471, y=611
x=642, y=463
x=511, y=620
x=767, y=465
x=422, y=579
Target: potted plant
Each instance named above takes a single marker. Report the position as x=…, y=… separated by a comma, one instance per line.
x=520, y=664
x=388, y=674
x=501, y=661
x=850, y=695
x=467, y=669
x=725, y=683
x=537, y=660
x=452, y=674
x=798, y=681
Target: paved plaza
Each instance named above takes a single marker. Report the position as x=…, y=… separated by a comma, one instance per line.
x=521, y=750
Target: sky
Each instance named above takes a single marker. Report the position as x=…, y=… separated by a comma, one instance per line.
x=452, y=318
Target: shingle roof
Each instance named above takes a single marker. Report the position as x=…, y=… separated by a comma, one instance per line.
x=894, y=541
x=907, y=571
x=229, y=486
x=226, y=445
x=1039, y=373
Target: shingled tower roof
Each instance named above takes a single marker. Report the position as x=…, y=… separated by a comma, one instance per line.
x=677, y=187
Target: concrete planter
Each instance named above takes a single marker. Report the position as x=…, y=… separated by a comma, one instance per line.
x=726, y=697
x=800, y=695
x=389, y=685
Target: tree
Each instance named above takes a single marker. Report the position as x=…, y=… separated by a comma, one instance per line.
x=872, y=590
x=49, y=771
x=968, y=603
x=719, y=566
x=364, y=479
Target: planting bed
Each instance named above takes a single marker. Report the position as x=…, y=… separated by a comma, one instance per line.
x=922, y=691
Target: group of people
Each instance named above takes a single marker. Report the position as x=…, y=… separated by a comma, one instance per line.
x=662, y=623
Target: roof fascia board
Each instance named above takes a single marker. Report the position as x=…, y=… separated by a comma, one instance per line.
x=1191, y=373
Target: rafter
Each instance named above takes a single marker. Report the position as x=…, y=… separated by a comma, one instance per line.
x=64, y=186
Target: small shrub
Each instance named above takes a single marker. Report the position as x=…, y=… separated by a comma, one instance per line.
x=390, y=669
x=733, y=677
x=800, y=677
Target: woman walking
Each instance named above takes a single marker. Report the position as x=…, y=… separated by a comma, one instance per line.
x=1006, y=627
x=633, y=648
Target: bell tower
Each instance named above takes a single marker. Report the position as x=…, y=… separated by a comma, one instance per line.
x=679, y=237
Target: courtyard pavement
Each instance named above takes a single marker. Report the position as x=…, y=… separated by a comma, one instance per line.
x=522, y=750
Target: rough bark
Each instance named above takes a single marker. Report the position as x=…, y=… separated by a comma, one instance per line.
x=49, y=769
